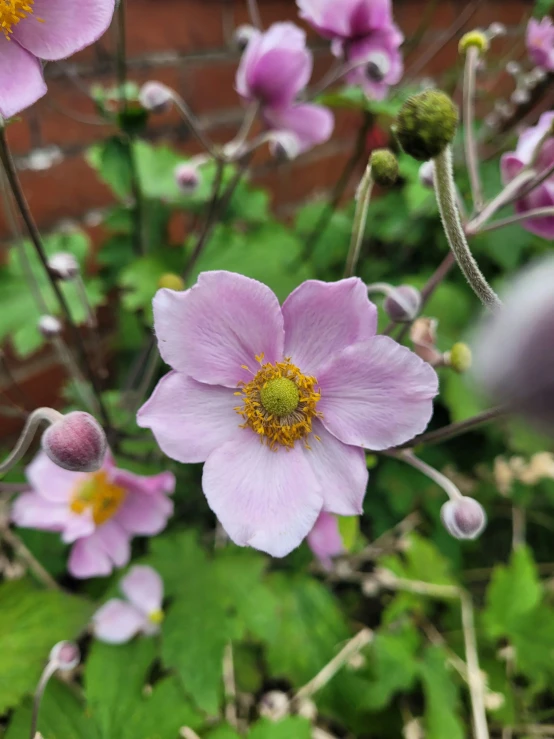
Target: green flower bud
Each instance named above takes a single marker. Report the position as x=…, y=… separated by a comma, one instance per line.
x=426, y=124
x=171, y=281
x=474, y=38
x=460, y=357
x=384, y=167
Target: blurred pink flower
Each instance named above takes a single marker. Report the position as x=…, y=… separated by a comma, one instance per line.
x=540, y=43
x=325, y=540
x=99, y=512
x=346, y=20
x=280, y=445
x=275, y=67
x=118, y=621
x=31, y=30
x=543, y=195
x=379, y=62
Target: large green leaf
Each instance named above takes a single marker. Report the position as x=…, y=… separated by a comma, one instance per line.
x=441, y=697
x=31, y=622
x=292, y=727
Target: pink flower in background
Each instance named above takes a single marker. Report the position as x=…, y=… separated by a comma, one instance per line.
x=543, y=195
x=31, y=30
x=378, y=62
x=276, y=66
x=99, y=512
x=325, y=540
x=280, y=401
x=346, y=20
x=540, y=43
x=118, y=621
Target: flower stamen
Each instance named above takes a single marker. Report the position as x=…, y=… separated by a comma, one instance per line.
x=99, y=495
x=12, y=12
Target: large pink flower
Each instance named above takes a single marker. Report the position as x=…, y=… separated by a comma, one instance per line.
x=279, y=444
x=540, y=43
x=42, y=29
x=99, y=512
x=347, y=20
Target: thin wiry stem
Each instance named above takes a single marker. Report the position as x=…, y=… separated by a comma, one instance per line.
x=442, y=481
x=195, y=126
x=535, y=213
x=27, y=558
x=455, y=429
x=230, y=687
x=470, y=143
x=475, y=677
x=49, y=670
x=512, y=190
x=446, y=198
x=26, y=437
x=363, y=196
x=254, y=13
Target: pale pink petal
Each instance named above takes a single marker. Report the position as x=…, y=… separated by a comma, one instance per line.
x=115, y=541
x=59, y=28
x=52, y=482
x=377, y=394
x=325, y=540
x=78, y=526
x=144, y=588
x=323, y=318
x=144, y=515
x=220, y=324
x=248, y=59
x=21, y=80
x=117, y=622
x=155, y=485
x=341, y=471
x=310, y=124
x=88, y=559
x=32, y=511
x=265, y=499
x=189, y=419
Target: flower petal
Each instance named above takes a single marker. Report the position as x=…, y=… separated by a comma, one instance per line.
x=78, y=525
x=325, y=540
x=117, y=622
x=21, y=79
x=221, y=323
x=377, y=394
x=115, y=542
x=311, y=124
x=50, y=481
x=341, y=471
x=265, y=499
x=323, y=318
x=32, y=511
x=144, y=515
x=59, y=28
x=88, y=559
x=144, y=588
x=189, y=419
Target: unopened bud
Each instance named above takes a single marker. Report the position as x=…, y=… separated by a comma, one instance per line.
x=403, y=303
x=76, y=442
x=463, y=518
x=187, y=177
x=496, y=29
x=427, y=174
x=66, y=655
x=476, y=38
x=171, y=281
x=49, y=326
x=426, y=124
x=242, y=36
x=155, y=97
x=459, y=357
x=64, y=266
x=384, y=167
x=307, y=709
x=284, y=145
x=274, y=705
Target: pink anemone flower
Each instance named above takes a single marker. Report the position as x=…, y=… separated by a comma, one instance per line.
x=98, y=512
x=540, y=43
x=118, y=621
x=347, y=20
x=31, y=30
x=280, y=401
x=325, y=539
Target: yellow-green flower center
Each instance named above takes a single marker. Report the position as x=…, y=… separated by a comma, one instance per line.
x=99, y=495
x=280, y=396
x=13, y=11
x=279, y=404
x=156, y=617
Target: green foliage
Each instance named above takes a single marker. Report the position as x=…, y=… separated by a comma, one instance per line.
x=441, y=697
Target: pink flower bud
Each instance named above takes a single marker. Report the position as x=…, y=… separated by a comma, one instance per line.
x=76, y=442
x=64, y=266
x=463, y=518
x=403, y=303
x=187, y=177
x=242, y=36
x=284, y=145
x=155, y=97
x=66, y=655
x=49, y=326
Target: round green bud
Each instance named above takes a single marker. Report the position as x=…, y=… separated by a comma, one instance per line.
x=474, y=38
x=426, y=124
x=460, y=357
x=171, y=281
x=384, y=167
x=280, y=396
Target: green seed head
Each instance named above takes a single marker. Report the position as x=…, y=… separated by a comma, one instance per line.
x=460, y=357
x=280, y=397
x=384, y=167
x=473, y=38
x=426, y=124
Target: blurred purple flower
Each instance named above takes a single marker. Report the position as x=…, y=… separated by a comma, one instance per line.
x=99, y=512
x=280, y=445
x=118, y=621
x=325, y=540
x=275, y=67
x=346, y=20
x=31, y=30
x=540, y=43
x=543, y=195
x=378, y=62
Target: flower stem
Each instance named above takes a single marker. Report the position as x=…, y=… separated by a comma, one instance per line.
x=446, y=198
x=195, y=126
x=254, y=13
x=536, y=213
x=512, y=190
x=470, y=143
x=455, y=429
x=26, y=437
x=363, y=196
x=442, y=481
x=47, y=673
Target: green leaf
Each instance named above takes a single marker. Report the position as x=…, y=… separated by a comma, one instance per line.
x=441, y=697
x=349, y=529
x=394, y=666
x=140, y=278
x=292, y=727
x=112, y=162
x=422, y=561
x=542, y=8
x=31, y=622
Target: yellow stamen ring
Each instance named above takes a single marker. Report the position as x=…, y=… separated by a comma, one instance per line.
x=279, y=404
x=98, y=494
x=12, y=12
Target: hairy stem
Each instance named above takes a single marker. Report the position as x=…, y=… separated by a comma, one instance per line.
x=48, y=671
x=26, y=437
x=470, y=143
x=512, y=190
x=442, y=481
x=456, y=429
x=535, y=213
x=363, y=196
x=475, y=677
x=446, y=198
